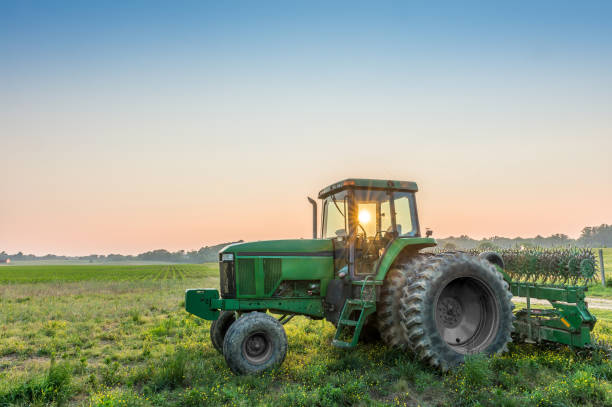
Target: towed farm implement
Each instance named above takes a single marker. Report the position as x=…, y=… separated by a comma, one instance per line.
x=369, y=272
x=561, y=277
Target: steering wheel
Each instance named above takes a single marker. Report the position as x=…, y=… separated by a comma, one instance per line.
x=387, y=232
x=365, y=235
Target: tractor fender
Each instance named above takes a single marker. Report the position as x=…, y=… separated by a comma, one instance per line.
x=494, y=258
x=397, y=248
x=497, y=260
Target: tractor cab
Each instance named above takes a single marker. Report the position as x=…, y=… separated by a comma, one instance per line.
x=363, y=217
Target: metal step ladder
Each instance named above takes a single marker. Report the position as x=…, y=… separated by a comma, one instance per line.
x=363, y=306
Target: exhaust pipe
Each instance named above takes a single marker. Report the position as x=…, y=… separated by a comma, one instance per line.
x=314, y=217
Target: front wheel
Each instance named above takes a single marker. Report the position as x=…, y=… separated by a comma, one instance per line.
x=219, y=328
x=254, y=343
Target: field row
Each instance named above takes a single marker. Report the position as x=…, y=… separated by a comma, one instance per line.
x=47, y=273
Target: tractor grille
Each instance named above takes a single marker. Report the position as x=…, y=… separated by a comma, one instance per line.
x=228, y=279
x=272, y=273
x=246, y=276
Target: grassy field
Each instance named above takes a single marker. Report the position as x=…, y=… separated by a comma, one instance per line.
x=596, y=289
x=63, y=274
x=119, y=336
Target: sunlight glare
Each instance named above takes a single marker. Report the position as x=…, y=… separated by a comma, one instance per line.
x=364, y=216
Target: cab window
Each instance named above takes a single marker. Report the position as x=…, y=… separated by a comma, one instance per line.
x=385, y=217
x=366, y=216
x=334, y=217
x=404, y=219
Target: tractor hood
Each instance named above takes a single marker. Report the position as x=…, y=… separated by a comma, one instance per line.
x=288, y=247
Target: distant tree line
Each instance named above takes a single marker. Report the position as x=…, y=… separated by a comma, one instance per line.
x=591, y=236
x=203, y=255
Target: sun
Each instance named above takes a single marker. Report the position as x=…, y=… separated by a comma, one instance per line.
x=364, y=216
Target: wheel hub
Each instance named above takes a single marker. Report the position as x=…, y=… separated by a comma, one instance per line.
x=257, y=348
x=466, y=315
x=255, y=345
x=449, y=312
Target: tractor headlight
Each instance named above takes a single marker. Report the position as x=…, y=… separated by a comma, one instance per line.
x=227, y=257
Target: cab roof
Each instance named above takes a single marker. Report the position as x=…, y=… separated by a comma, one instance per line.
x=361, y=183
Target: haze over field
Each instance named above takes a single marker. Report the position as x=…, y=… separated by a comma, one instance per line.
x=130, y=127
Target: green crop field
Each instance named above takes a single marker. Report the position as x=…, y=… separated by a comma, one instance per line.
x=54, y=273
x=119, y=336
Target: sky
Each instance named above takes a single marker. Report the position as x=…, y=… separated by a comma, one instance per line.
x=132, y=126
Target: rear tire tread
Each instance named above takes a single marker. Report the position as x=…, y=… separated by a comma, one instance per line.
x=388, y=309
x=417, y=315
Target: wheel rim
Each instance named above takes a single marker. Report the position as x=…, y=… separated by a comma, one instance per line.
x=467, y=315
x=257, y=348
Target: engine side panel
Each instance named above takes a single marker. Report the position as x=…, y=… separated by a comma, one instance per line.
x=283, y=268
x=263, y=276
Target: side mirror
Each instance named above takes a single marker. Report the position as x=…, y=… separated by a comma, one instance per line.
x=428, y=232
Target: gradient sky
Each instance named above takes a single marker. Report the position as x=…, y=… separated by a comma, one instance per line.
x=132, y=126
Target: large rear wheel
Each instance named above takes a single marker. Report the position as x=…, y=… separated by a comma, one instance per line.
x=455, y=306
x=388, y=308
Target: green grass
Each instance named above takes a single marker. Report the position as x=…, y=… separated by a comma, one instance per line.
x=119, y=336
x=607, y=255
x=74, y=273
x=596, y=289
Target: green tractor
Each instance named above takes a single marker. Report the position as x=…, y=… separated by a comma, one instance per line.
x=367, y=275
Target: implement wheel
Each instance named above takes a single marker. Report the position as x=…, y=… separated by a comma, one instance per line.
x=219, y=328
x=254, y=343
x=455, y=306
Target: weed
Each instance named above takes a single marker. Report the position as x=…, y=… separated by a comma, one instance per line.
x=110, y=373
x=53, y=387
x=163, y=328
x=172, y=371
x=476, y=372
x=117, y=398
x=470, y=378
x=330, y=395
x=584, y=387
x=136, y=316
x=193, y=398
x=407, y=369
